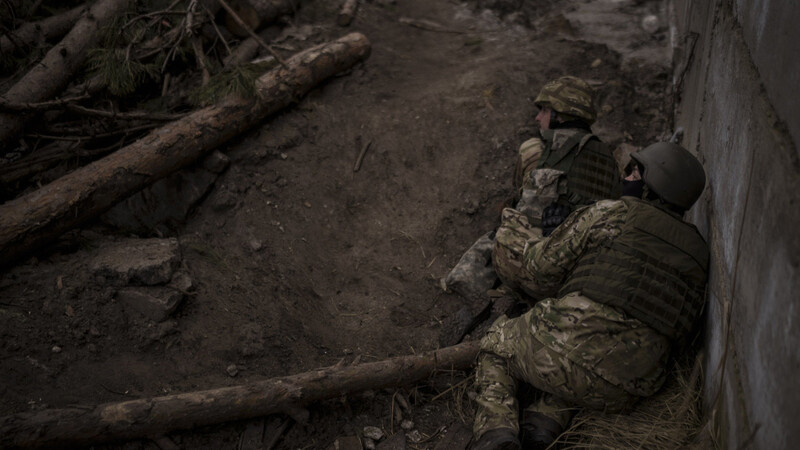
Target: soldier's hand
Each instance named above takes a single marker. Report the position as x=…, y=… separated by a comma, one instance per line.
x=553, y=216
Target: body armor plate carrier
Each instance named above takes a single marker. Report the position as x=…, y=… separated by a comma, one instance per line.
x=589, y=164
x=655, y=271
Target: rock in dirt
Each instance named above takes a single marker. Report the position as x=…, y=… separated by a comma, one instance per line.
x=346, y=443
x=216, y=162
x=181, y=281
x=154, y=302
x=374, y=433
x=146, y=262
x=650, y=23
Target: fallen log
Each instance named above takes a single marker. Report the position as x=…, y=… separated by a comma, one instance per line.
x=256, y=13
x=33, y=220
x=27, y=35
x=246, y=50
x=158, y=415
x=55, y=70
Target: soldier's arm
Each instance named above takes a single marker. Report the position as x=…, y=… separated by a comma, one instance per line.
x=527, y=159
x=550, y=260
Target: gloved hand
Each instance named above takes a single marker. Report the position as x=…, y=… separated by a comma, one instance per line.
x=552, y=216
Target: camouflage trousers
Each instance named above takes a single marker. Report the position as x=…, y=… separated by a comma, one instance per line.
x=511, y=355
x=514, y=232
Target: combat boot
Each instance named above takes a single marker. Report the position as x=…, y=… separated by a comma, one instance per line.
x=538, y=431
x=497, y=439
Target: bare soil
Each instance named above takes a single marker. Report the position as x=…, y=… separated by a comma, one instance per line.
x=298, y=261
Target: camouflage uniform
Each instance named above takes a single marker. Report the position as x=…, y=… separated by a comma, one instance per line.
x=569, y=165
x=588, y=164
x=577, y=351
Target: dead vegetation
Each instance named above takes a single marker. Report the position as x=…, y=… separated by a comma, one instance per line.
x=123, y=68
x=671, y=419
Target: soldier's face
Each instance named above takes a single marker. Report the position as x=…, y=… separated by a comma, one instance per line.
x=635, y=175
x=543, y=118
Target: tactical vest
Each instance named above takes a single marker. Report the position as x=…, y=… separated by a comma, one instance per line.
x=588, y=163
x=655, y=270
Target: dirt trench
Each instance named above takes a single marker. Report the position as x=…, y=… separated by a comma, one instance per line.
x=298, y=261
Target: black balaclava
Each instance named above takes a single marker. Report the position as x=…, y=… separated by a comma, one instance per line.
x=633, y=188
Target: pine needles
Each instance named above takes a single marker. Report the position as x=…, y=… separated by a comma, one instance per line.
x=238, y=81
x=121, y=73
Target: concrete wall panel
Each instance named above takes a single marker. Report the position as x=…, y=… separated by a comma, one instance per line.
x=750, y=213
x=769, y=29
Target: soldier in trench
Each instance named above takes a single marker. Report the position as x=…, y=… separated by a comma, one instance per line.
x=620, y=283
x=564, y=167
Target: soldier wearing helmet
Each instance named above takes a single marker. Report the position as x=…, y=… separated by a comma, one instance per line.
x=566, y=143
x=563, y=168
x=620, y=285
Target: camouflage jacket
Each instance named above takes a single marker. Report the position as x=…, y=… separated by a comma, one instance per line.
x=590, y=171
x=598, y=337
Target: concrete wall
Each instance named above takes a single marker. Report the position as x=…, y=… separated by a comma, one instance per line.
x=738, y=81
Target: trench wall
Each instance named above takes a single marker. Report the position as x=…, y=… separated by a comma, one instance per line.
x=737, y=80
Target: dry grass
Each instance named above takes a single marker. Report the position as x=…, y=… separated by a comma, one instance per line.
x=671, y=419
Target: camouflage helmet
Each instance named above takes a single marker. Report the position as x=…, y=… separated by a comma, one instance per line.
x=672, y=172
x=569, y=95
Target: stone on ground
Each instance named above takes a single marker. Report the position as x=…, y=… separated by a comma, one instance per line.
x=145, y=262
x=153, y=302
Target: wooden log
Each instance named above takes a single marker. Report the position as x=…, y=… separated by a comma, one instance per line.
x=256, y=14
x=246, y=50
x=32, y=220
x=347, y=13
x=52, y=74
x=158, y=415
x=54, y=27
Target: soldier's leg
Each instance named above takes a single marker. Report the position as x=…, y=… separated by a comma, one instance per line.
x=568, y=383
x=497, y=405
x=521, y=357
x=566, y=386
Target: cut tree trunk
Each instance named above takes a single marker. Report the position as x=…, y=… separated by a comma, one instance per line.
x=246, y=50
x=159, y=415
x=257, y=13
x=33, y=220
x=24, y=37
x=52, y=74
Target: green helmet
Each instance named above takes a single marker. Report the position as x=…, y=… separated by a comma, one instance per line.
x=672, y=172
x=569, y=95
